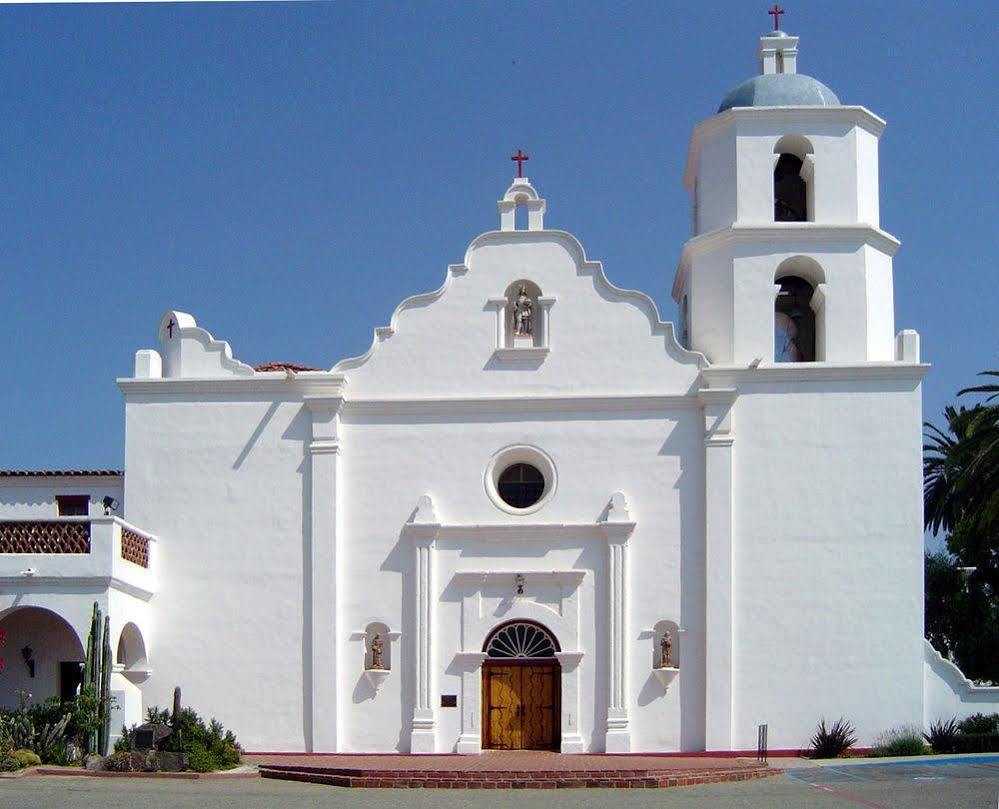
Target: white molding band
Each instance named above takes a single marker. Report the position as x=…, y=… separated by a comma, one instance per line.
x=727, y=376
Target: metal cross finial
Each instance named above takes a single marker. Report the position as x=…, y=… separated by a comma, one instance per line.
x=519, y=159
x=775, y=12
x=170, y=328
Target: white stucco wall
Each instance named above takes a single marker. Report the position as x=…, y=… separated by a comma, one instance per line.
x=653, y=456
x=221, y=480
x=25, y=498
x=828, y=558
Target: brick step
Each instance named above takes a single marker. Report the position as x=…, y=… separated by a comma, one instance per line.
x=472, y=779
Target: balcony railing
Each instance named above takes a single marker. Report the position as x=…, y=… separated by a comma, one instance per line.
x=44, y=536
x=33, y=552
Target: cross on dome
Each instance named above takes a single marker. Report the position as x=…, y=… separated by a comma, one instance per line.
x=776, y=12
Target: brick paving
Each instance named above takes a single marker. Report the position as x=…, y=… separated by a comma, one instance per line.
x=507, y=770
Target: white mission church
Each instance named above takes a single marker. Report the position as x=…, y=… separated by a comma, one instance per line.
x=533, y=514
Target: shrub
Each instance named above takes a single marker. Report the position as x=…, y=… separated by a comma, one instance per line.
x=980, y=723
x=200, y=760
x=26, y=758
x=902, y=741
x=976, y=743
x=49, y=727
x=942, y=736
x=208, y=747
x=834, y=741
x=119, y=761
x=58, y=754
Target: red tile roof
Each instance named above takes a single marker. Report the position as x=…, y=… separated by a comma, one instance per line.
x=60, y=473
x=283, y=366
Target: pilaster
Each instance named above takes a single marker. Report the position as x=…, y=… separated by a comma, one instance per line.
x=617, y=527
x=423, y=530
x=719, y=546
x=323, y=716
x=470, y=740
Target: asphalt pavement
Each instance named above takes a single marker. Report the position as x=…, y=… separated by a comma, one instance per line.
x=928, y=784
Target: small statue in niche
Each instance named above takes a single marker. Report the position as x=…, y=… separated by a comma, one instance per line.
x=523, y=313
x=377, y=652
x=666, y=651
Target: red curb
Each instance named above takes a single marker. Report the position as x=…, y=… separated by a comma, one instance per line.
x=179, y=776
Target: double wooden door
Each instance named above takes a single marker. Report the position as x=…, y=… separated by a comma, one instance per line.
x=521, y=706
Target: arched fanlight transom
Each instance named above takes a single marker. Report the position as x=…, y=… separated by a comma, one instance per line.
x=521, y=640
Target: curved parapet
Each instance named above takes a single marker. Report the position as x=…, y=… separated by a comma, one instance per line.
x=456, y=328
x=948, y=693
x=190, y=351
x=595, y=270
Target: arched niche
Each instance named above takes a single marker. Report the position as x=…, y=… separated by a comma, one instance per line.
x=43, y=656
x=525, y=324
x=661, y=629
x=799, y=313
x=377, y=629
x=794, y=192
x=131, y=652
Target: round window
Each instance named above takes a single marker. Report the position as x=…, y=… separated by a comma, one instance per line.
x=520, y=479
x=521, y=485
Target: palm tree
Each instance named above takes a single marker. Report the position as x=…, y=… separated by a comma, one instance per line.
x=961, y=479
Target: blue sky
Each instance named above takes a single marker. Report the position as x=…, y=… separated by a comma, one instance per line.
x=289, y=172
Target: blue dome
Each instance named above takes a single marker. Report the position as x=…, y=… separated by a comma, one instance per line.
x=780, y=90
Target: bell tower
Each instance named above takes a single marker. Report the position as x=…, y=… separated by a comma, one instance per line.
x=787, y=261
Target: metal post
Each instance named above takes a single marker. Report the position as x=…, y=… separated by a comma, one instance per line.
x=761, y=744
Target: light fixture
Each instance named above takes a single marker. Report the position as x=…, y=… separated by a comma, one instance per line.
x=29, y=660
x=519, y=581
x=110, y=504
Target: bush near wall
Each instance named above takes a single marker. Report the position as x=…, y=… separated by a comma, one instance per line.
x=902, y=741
x=207, y=747
x=976, y=743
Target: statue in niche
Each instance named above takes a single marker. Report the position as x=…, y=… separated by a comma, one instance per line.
x=666, y=651
x=377, y=653
x=523, y=313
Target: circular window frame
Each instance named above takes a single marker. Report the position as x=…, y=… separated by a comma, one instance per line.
x=514, y=454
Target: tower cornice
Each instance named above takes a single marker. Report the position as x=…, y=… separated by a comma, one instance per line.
x=774, y=231
x=858, y=116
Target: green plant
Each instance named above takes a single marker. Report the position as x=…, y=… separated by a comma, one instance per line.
x=123, y=744
x=834, y=741
x=59, y=755
x=119, y=761
x=942, y=736
x=976, y=743
x=980, y=723
x=97, y=681
x=200, y=760
x=26, y=758
x=901, y=741
x=210, y=746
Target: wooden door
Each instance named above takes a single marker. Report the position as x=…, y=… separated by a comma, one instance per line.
x=539, y=707
x=502, y=704
x=521, y=707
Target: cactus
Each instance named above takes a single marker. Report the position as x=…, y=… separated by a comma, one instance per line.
x=97, y=677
